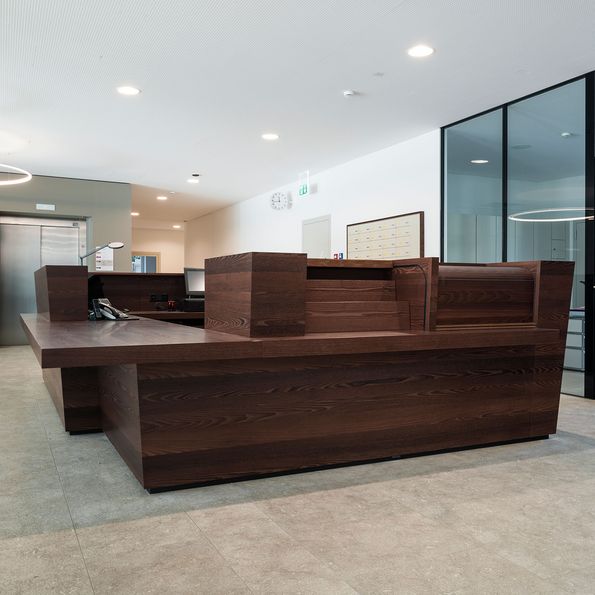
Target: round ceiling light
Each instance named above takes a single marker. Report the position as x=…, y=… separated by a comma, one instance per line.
x=420, y=51
x=127, y=90
x=134, y=214
x=162, y=197
x=479, y=161
x=573, y=215
x=177, y=226
x=270, y=136
x=24, y=175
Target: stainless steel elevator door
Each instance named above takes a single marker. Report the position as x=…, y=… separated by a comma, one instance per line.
x=59, y=245
x=27, y=243
x=20, y=257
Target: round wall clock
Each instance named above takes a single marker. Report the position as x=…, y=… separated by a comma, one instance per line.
x=280, y=200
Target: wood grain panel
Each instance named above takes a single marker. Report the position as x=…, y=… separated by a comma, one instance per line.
x=257, y=294
x=484, y=295
x=75, y=394
x=61, y=292
x=118, y=388
x=342, y=290
x=302, y=412
x=551, y=307
x=77, y=344
x=416, y=282
x=330, y=317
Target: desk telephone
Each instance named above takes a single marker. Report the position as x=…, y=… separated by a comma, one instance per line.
x=102, y=308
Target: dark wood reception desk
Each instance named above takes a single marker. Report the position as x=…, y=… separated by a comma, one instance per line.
x=310, y=363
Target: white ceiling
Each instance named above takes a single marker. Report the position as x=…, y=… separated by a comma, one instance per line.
x=215, y=74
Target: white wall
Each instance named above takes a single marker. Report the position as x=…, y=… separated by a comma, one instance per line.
x=106, y=204
x=400, y=179
x=169, y=244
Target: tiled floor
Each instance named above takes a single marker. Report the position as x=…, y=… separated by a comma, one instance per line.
x=510, y=519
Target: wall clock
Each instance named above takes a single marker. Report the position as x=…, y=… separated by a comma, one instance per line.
x=280, y=200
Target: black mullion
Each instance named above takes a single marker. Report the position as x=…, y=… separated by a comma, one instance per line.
x=504, y=183
x=589, y=384
x=442, y=201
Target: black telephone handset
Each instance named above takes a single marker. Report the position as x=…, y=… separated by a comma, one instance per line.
x=103, y=308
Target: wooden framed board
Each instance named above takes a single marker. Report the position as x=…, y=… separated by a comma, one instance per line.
x=390, y=238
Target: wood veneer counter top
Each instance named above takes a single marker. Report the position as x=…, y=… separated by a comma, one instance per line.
x=168, y=314
x=85, y=343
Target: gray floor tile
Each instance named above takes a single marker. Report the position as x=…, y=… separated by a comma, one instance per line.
x=43, y=564
x=156, y=555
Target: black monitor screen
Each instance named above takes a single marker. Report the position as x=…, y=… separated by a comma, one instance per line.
x=195, y=282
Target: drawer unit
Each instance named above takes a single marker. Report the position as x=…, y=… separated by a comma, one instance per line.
x=574, y=358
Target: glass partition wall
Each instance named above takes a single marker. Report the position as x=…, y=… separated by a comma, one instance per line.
x=516, y=183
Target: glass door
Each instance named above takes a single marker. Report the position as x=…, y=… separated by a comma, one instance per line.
x=546, y=199
x=518, y=184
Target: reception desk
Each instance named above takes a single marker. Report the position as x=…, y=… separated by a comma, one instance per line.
x=309, y=363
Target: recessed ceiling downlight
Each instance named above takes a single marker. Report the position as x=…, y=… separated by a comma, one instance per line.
x=479, y=161
x=420, y=51
x=128, y=90
x=162, y=197
x=177, y=226
x=270, y=136
x=135, y=214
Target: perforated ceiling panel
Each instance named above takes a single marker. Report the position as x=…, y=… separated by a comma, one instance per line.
x=216, y=74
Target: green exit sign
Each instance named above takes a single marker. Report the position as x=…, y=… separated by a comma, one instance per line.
x=304, y=183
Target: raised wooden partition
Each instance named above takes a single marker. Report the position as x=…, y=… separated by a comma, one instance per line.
x=488, y=295
x=61, y=292
x=268, y=294
x=256, y=294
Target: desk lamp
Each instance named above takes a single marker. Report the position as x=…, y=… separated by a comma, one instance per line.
x=112, y=245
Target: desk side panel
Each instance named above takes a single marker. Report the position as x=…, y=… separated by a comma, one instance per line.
x=75, y=394
x=120, y=413
x=222, y=420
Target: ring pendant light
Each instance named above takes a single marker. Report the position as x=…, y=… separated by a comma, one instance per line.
x=526, y=216
x=26, y=176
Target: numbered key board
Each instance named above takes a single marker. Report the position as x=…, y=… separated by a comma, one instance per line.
x=391, y=238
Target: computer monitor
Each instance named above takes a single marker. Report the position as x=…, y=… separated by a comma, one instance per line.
x=195, y=282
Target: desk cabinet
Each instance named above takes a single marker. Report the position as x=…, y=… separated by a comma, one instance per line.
x=574, y=358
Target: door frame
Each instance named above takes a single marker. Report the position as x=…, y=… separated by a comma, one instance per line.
x=152, y=253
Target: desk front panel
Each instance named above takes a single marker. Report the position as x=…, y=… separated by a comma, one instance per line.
x=222, y=420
